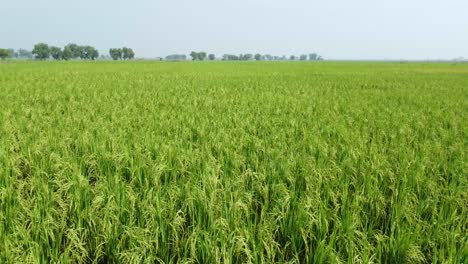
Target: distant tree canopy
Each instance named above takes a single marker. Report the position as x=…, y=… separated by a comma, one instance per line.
x=56, y=53
x=116, y=54
x=198, y=55
x=230, y=57
x=24, y=54
x=89, y=53
x=67, y=53
x=315, y=57
x=12, y=53
x=268, y=57
x=71, y=51
x=127, y=53
x=5, y=53
x=41, y=51
x=19, y=54
x=242, y=57
x=122, y=53
x=246, y=57
x=176, y=57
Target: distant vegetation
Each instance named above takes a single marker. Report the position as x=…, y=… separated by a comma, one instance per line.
x=176, y=57
x=19, y=54
x=122, y=54
x=5, y=53
x=43, y=51
x=200, y=56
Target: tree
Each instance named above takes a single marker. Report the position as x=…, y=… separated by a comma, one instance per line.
x=56, y=53
x=211, y=57
x=22, y=53
x=88, y=53
x=67, y=53
x=313, y=56
x=71, y=51
x=13, y=53
x=228, y=57
x=201, y=55
x=245, y=57
x=41, y=51
x=76, y=50
x=176, y=57
x=84, y=52
x=194, y=55
x=4, y=53
x=93, y=53
x=116, y=54
x=127, y=53
x=258, y=57
x=292, y=57
x=303, y=57
x=124, y=53
x=198, y=55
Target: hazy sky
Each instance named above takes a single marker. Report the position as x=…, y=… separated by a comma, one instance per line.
x=336, y=29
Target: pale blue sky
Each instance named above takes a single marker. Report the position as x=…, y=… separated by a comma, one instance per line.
x=336, y=29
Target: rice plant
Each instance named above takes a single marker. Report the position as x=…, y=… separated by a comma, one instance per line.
x=223, y=162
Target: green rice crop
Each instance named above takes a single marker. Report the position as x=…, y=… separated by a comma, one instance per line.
x=233, y=162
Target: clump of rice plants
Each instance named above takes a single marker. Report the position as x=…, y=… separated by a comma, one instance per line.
x=228, y=162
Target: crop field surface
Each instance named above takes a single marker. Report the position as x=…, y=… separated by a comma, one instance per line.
x=233, y=162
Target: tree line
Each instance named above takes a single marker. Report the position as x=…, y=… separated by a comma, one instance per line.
x=42, y=51
x=200, y=56
x=122, y=53
x=19, y=54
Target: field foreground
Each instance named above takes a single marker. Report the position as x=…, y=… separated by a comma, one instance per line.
x=144, y=162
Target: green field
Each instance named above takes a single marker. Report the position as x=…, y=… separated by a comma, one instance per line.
x=233, y=162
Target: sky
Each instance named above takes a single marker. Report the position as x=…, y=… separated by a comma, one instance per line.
x=335, y=29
